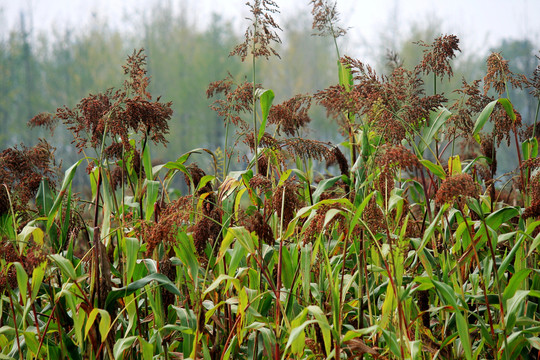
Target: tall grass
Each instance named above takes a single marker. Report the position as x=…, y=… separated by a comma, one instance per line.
x=402, y=250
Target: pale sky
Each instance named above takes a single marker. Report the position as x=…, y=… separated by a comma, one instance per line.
x=479, y=24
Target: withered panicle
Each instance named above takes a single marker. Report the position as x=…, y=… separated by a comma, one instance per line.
x=291, y=115
x=437, y=56
x=30, y=259
x=503, y=125
x=336, y=157
x=311, y=149
x=261, y=33
x=455, y=188
x=534, y=191
x=317, y=226
x=115, y=114
x=238, y=100
x=499, y=74
x=255, y=223
x=395, y=105
x=470, y=103
x=326, y=19
x=208, y=230
x=172, y=217
x=196, y=174
x=21, y=171
x=488, y=149
x=397, y=156
x=285, y=201
x=44, y=120
x=260, y=182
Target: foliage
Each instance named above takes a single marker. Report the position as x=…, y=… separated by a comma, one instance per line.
x=409, y=247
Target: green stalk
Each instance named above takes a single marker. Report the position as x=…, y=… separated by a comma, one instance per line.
x=94, y=287
x=435, y=93
x=481, y=276
x=254, y=109
x=16, y=327
x=46, y=326
x=536, y=117
x=340, y=315
x=226, y=161
x=516, y=140
x=278, y=285
x=12, y=211
x=497, y=283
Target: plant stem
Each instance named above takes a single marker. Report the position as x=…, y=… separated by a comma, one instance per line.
x=226, y=160
x=482, y=280
x=94, y=288
x=16, y=327
x=254, y=108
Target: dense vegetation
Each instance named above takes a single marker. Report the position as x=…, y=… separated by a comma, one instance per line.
x=409, y=245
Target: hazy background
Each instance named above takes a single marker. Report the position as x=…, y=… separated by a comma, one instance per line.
x=53, y=53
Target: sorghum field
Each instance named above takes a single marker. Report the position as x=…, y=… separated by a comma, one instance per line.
x=401, y=242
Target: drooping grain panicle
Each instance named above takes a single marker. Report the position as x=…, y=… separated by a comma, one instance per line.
x=261, y=33
x=499, y=75
x=326, y=18
x=291, y=115
x=437, y=55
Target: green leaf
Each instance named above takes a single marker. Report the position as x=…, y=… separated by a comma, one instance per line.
x=238, y=254
x=152, y=192
x=139, y=284
x=297, y=338
x=449, y=297
x=483, y=117
x=507, y=105
x=534, y=244
x=132, y=249
x=416, y=349
x=431, y=228
x=104, y=322
x=266, y=98
x=121, y=345
x=93, y=181
x=147, y=163
x=22, y=281
x=323, y=186
x=65, y=266
x=469, y=165
x=434, y=168
x=147, y=349
x=35, y=232
x=244, y=237
x=345, y=76
x=186, y=253
x=44, y=197
x=176, y=165
x=219, y=280
x=318, y=314
x=514, y=304
x=351, y=334
x=454, y=165
x=66, y=217
x=501, y=216
x=436, y=121
x=68, y=178
x=37, y=278
x=305, y=266
x=516, y=283
x=391, y=341
x=530, y=148
x=32, y=342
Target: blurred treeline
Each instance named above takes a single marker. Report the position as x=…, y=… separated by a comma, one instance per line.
x=40, y=72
